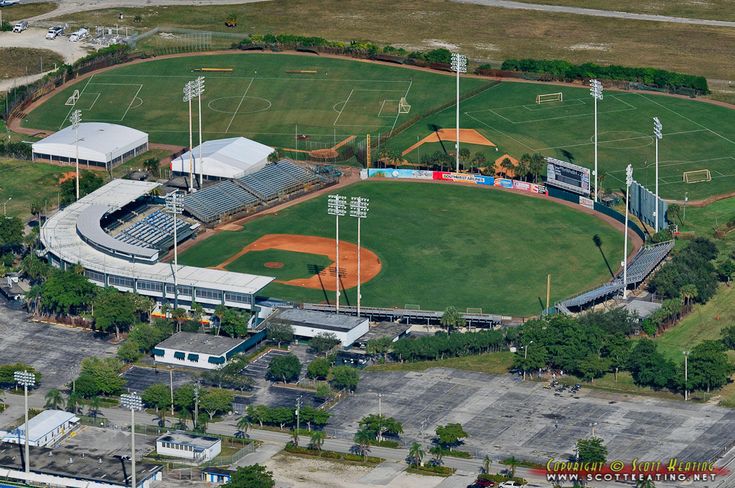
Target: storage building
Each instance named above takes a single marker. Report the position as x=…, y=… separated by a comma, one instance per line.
x=45, y=429
x=308, y=323
x=223, y=158
x=182, y=445
x=198, y=350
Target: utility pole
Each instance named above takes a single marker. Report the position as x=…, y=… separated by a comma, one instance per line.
x=380, y=416
x=459, y=65
x=548, y=291
x=26, y=379
x=196, y=404
x=298, y=419
x=171, y=388
x=525, y=357
x=686, y=376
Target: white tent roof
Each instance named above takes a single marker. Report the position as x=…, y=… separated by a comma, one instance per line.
x=98, y=141
x=225, y=158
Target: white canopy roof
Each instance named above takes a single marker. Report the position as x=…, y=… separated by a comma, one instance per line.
x=225, y=158
x=98, y=141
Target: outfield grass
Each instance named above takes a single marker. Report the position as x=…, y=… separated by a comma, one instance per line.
x=295, y=264
x=262, y=100
x=29, y=182
x=490, y=363
x=443, y=245
x=483, y=33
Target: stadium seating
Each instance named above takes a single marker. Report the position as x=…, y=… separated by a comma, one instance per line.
x=155, y=231
x=258, y=188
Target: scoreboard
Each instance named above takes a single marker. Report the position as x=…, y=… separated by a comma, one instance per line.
x=568, y=176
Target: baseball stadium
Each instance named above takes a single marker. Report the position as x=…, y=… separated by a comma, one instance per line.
x=465, y=241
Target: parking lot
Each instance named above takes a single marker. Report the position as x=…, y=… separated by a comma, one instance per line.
x=505, y=416
x=55, y=351
x=98, y=442
x=138, y=379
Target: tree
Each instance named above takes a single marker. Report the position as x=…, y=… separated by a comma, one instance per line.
x=726, y=270
x=67, y=292
x=673, y=213
x=153, y=166
x=451, y=319
x=94, y=406
x=344, y=378
x=286, y=368
x=113, y=309
x=728, y=337
x=648, y=367
x=321, y=343
x=591, y=450
x=314, y=416
x=34, y=268
x=234, y=323
x=318, y=369
x=486, y=462
x=280, y=332
x=89, y=181
x=157, y=396
x=243, y=424
x=450, y=435
x=215, y=400
x=54, y=399
x=362, y=443
x=380, y=346
x=523, y=168
x=11, y=234
x=253, y=476
x=99, y=376
x=184, y=398
x=129, y=352
x=709, y=366
x=508, y=166
x=323, y=392
x=416, y=455
x=688, y=293
x=536, y=165
x=72, y=402
x=380, y=425
x=258, y=413
x=317, y=440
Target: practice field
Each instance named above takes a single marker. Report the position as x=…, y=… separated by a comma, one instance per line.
x=311, y=103
x=442, y=245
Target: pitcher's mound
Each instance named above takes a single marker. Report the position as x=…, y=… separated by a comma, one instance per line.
x=273, y=265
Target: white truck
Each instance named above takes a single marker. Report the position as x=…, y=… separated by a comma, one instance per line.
x=8, y=3
x=54, y=32
x=20, y=26
x=78, y=35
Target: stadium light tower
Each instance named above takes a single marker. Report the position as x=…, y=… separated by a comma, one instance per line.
x=175, y=206
x=628, y=182
x=75, y=118
x=25, y=379
x=459, y=65
x=658, y=133
x=198, y=90
x=596, y=92
x=359, y=209
x=337, y=206
x=134, y=402
x=189, y=91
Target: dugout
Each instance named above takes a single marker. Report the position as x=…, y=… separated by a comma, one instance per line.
x=100, y=145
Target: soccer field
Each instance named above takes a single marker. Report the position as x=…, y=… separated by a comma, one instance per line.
x=274, y=98
x=441, y=245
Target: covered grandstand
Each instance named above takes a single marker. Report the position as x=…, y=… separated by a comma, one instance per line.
x=116, y=232
x=638, y=270
x=274, y=183
x=223, y=158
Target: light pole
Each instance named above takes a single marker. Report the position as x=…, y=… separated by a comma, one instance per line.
x=686, y=376
x=686, y=201
x=628, y=182
x=5, y=208
x=592, y=426
x=596, y=92
x=175, y=206
x=198, y=86
x=359, y=209
x=298, y=419
x=337, y=206
x=25, y=379
x=525, y=357
x=657, y=132
x=76, y=118
x=459, y=65
x=133, y=402
x=189, y=90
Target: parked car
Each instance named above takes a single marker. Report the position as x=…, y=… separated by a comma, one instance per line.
x=510, y=484
x=54, y=32
x=8, y=3
x=482, y=484
x=20, y=26
x=78, y=35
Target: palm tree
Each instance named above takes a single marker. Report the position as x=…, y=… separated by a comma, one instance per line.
x=512, y=462
x=508, y=166
x=362, y=443
x=295, y=437
x=645, y=484
x=94, y=407
x=688, y=293
x=416, y=454
x=486, y=462
x=317, y=440
x=72, y=402
x=243, y=424
x=598, y=243
x=54, y=399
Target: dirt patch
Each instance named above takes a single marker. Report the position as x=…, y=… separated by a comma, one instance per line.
x=370, y=263
x=327, y=153
x=69, y=175
x=467, y=136
x=273, y=265
x=230, y=227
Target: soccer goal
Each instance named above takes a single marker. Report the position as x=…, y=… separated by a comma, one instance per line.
x=72, y=100
x=403, y=106
x=550, y=97
x=697, y=176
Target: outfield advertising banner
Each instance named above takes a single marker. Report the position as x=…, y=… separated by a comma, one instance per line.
x=466, y=178
x=586, y=202
x=504, y=182
x=472, y=179
x=413, y=174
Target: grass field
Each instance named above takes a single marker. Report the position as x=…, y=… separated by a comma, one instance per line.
x=295, y=264
x=262, y=100
x=43, y=179
x=483, y=33
x=26, y=10
x=486, y=248
x=20, y=61
x=711, y=9
x=490, y=363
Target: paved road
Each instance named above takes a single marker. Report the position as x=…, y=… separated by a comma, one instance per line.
x=597, y=13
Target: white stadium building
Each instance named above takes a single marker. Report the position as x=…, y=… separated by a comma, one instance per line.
x=99, y=144
x=223, y=158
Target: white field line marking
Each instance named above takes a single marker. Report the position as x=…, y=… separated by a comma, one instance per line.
x=242, y=99
x=382, y=106
x=72, y=107
x=140, y=87
x=686, y=118
x=95, y=100
x=498, y=131
x=343, y=107
x=410, y=84
x=619, y=140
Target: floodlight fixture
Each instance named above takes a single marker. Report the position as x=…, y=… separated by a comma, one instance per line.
x=25, y=378
x=131, y=401
x=596, y=89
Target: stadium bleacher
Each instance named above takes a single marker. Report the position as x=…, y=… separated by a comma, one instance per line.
x=259, y=188
x=155, y=231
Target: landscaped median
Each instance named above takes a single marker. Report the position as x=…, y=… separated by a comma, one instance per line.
x=333, y=455
x=431, y=470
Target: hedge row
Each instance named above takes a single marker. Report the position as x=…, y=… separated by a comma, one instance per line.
x=15, y=150
x=560, y=70
x=320, y=453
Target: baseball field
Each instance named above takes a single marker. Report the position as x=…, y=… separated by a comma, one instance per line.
x=308, y=102
x=435, y=245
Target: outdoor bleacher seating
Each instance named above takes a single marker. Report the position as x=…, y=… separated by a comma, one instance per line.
x=154, y=231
